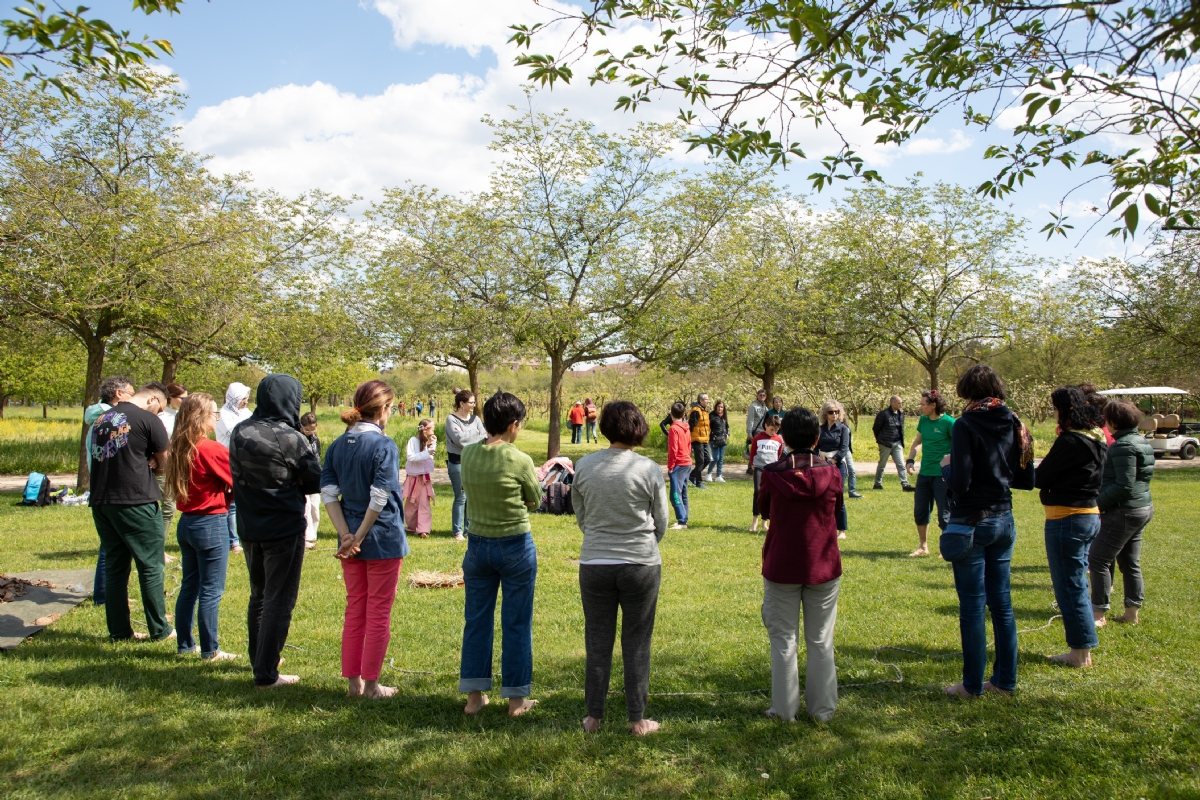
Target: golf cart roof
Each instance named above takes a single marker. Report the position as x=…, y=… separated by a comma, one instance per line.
x=1145, y=390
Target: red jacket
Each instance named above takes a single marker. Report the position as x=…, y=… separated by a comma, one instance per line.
x=800, y=494
x=210, y=483
x=576, y=415
x=679, y=445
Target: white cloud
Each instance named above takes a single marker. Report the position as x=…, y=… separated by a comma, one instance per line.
x=924, y=146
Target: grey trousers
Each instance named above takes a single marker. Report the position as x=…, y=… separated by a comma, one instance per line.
x=604, y=588
x=896, y=452
x=781, y=616
x=1119, y=540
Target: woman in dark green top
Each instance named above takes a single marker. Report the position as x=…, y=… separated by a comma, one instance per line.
x=501, y=486
x=1125, y=510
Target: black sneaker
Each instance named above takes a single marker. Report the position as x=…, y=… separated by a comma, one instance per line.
x=908, y=487
x=878, y=487
x=855, y=496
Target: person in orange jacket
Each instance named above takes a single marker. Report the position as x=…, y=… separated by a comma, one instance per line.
x=576, y=416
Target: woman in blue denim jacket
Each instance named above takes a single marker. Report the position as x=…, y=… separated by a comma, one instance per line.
x=991, y=453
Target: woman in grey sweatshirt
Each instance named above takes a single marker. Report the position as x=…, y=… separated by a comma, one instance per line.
x=463, y=427
x=621, y=507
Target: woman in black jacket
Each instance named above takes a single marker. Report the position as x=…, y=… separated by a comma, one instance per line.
x=718, y=439
x=834, y=444
x=1069, y=480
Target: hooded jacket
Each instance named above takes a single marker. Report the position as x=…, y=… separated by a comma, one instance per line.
x=1069, y=475
x=801, y=494
x=273, y=465
x=985, y=463
x=1128, y=468
x=230, y=415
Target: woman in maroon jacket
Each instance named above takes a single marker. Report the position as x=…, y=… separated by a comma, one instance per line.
x=801, y=494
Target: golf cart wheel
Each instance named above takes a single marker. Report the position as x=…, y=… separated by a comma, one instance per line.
x=1188, y=451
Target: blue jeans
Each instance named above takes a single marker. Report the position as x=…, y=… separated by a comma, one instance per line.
x=851, y=475
x=1067, y=543
x=233, y=537
x=508, y=563
x=590, y=431
x=931, y=490
x=679, y=492
x=204, y=554
x=982, y=561
x=718, y=460
x=458, y=511
x=576, y=434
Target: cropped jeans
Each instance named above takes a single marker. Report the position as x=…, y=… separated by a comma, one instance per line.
x=982, y=560
x=1067, y=544
x=507, y=564
x=1119, y=540
x=204, y=556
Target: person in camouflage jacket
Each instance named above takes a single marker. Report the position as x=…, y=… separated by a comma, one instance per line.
x=274, y=469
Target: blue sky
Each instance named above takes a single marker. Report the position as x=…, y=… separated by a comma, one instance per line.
x=354, y=96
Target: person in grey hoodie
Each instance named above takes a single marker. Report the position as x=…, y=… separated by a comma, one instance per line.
x=621, y=507
x=463, y=427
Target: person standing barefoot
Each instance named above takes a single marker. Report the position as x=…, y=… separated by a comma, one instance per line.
x=933, y=437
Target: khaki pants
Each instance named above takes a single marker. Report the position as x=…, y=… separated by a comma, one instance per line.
x=781, y=615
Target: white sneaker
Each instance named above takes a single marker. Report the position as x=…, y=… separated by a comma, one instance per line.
x=679, y=526
x=719, y=479
x=708, y=478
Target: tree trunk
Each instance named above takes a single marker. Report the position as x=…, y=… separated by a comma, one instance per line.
x=557, y=370
x=45, y=412
x=96, y=347
x=3, y=403
x=934, y=368
x=170, y=368
x=473, y=378
x=768, y=381
x=312, y=403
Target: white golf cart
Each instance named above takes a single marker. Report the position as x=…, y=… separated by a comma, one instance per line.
x=1167, y=433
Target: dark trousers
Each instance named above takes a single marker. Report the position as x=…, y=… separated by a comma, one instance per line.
x=274, y=583
x=634, y=589
x=757, y=486
x=1119, y=540
x=701, y=458
x=131, y=534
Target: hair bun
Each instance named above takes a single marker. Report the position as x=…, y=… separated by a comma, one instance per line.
x=351, y=416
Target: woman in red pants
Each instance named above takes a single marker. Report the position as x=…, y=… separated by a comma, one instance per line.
x=360, y=487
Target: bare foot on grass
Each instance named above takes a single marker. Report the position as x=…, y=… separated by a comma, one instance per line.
x=1100, y=618
x=282, y=680
x=643, y=726
x=475, y=701
x=590, y=724
x=140, y=637
x=988, y=686
x=923, y=550
x=1077, y=659
x=376, y=691
x=959, y=691
x=1130, y=617
x=842, y=535
x=519, y=705
x=355, y=688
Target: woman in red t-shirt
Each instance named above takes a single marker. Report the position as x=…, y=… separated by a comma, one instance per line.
x=198, y=476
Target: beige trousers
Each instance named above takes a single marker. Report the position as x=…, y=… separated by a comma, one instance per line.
x=781, y=612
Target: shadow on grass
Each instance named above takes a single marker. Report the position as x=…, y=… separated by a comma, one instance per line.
x=68, y=555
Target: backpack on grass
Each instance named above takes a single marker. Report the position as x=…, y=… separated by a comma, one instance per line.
x=37, y=490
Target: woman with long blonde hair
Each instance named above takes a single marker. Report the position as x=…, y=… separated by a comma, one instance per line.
x=198, y=476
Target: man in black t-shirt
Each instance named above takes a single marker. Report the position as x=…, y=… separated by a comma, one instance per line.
x=127, y=447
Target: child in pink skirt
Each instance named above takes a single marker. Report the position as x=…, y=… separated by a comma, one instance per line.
x=418, y=480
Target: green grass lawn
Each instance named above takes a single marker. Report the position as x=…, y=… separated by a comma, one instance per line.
x=86, y=718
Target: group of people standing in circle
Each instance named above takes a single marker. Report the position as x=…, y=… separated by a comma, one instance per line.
x=1093, y=482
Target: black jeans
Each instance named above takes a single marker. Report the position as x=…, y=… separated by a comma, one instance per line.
x=274, y=583
x=634, y=588
x=1119, y=540
x=701, y=458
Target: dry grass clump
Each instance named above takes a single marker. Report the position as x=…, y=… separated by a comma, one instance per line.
x=427, y=579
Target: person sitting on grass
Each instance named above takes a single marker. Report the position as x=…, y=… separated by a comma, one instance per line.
x=360, y=486
x=1125, y=511
x=1069, y=480
x=801, y=569
x=128, y=446
x=621, y=507
x=679, y=464
x=418, y=480
x=765, y=448
x=502, y=485
x=273, y=470
x=198, y=476
x=991, y=453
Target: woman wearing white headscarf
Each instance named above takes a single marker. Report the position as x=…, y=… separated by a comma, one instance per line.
x=233, y=412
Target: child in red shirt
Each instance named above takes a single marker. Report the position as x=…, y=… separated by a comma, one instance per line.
x=765, y=448
x=679, y=464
